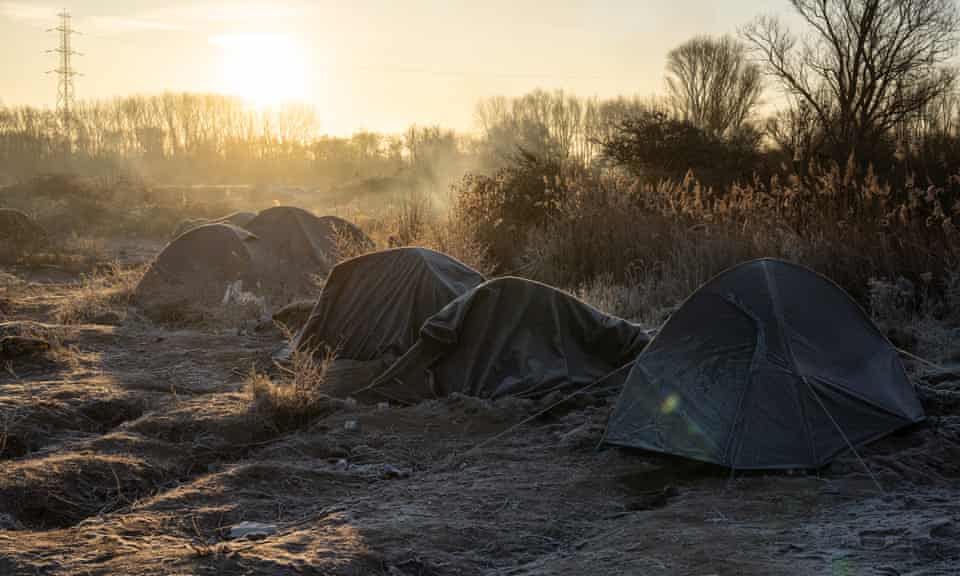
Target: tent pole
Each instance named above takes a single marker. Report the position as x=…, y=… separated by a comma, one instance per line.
x=775, y=297
x=843, y=435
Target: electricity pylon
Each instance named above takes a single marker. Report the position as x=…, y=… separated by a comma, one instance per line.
x=65, y=75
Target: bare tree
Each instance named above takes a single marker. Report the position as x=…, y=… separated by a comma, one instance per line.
x=712, y=84
x=867, y=65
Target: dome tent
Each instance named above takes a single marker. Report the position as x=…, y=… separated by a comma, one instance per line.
x=375, y=304
x=768, y=365
x=511, y=337
x=302, y=246
x=197, y=267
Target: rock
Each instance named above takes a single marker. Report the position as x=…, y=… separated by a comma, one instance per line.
x=8, y=522
x=352, y=425
x=251, y=531
x=389, y=471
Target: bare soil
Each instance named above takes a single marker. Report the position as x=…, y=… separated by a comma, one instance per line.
x=130, y=448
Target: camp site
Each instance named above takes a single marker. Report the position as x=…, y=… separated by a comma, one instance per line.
x=521, y=288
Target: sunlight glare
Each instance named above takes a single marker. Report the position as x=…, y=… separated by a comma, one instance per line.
x=264, y=69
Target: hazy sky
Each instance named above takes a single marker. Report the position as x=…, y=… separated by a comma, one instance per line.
x=375, y=64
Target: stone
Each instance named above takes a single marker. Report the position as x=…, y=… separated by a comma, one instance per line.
x=251, y=531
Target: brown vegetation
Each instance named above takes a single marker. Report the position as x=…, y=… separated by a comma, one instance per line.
x=297, y=397
x=102, y=297
x=133, y=446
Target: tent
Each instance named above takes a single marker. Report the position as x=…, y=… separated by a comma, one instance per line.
x=768, y=365
x=303, y=246
x=511, y=337
x=196, y=269
x=373, y=305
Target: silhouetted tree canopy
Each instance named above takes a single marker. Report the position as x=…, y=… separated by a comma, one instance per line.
x=712, y=84
x=866, y=64
x=656, y=146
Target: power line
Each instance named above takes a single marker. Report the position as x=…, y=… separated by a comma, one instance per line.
x=65, y=74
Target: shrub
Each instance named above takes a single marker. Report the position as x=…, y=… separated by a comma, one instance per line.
x=294, y=400
x=655, y=146
x=667, y=238
x=499, y=210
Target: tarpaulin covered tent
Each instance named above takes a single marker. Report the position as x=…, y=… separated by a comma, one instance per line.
x=303, y=246
x=196, y=268
x=374, y=305
x=768, y=365
x=511, y=337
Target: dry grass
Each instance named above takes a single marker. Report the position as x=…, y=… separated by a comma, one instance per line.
x=10, y=419
x=68, y=252
x=72, y=206
x=241, y=312
x=102, y=297
x=412, y=219
x=61, y=490
x=40, y=342
x=627, y=301
x=452, y=236
x=665, y=240
x=294, y=400
x=347, y=245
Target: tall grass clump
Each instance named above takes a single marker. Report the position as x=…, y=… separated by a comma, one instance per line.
x=101, y=297
x=295, y=399
x=847, y=225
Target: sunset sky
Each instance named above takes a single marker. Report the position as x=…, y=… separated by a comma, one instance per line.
x=364, y=64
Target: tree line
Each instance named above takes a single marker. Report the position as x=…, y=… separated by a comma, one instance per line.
x=864, y=81
x=219, y=139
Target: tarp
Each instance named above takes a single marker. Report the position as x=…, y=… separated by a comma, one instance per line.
x=196, y=268
x=768, y=365
x=374, y=305
x=303, y=247
x=511, y=337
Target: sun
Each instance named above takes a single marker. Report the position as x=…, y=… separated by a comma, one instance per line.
x=264, y=69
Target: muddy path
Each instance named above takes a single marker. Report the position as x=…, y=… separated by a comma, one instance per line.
x=132, y=449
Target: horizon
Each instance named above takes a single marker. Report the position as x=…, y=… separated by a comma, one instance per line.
x=374, y=66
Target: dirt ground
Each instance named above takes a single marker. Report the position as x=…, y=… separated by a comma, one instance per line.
x=129, y=448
